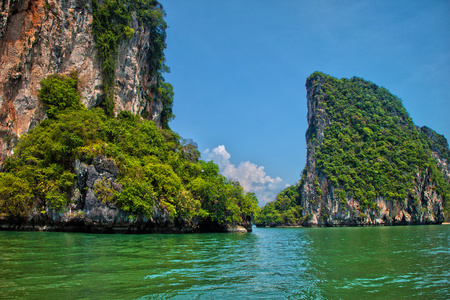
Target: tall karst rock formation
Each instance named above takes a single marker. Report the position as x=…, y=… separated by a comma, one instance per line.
x=114, y=168
x=43, y=37
x=367, y=163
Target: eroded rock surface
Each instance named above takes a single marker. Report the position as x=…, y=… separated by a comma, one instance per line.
x=43, y=37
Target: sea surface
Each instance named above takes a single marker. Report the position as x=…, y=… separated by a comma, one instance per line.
x=405, y=262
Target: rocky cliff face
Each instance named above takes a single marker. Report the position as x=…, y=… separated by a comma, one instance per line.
x=43, y=37
x=319, y=197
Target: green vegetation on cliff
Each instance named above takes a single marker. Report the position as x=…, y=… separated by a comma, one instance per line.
x=59, y=92
x=155, y=166
x=370, y=149
x=111, y=26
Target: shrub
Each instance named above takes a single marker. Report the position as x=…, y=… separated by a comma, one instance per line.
x=59, y=92
x=16, y=196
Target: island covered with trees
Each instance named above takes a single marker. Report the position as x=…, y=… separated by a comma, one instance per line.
x=367, y=163
x=149, y=169
x=102, y=169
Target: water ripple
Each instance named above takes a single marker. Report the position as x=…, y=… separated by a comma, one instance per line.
x=297, y=263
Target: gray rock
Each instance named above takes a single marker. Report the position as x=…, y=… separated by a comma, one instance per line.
x=91, y=176
x=81, y=170
x=103, y=164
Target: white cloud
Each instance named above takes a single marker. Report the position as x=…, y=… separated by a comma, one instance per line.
x=252, y=178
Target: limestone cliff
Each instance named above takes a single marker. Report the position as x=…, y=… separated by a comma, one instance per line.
x=43, y=37
x=367, y=164
x=327, y=209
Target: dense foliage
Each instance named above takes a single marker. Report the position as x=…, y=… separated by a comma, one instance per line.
x=59, y=92
x=156, y=168
x=284, y=210
x=370, y=148
x=111, y=26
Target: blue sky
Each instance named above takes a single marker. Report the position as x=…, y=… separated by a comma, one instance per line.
x=239, y=68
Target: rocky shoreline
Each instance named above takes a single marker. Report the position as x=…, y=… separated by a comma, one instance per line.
x=140, y=226
x=350, y=225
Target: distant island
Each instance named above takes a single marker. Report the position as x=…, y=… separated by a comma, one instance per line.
x=367, y=163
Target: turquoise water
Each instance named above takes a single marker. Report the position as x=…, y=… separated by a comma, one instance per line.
x=270, y=263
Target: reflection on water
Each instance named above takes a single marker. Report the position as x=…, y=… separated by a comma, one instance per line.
x=295, y=263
